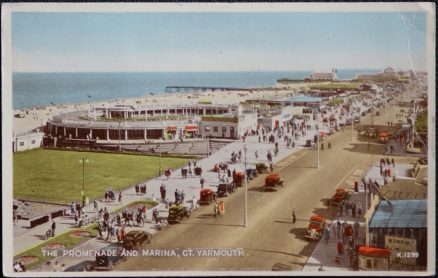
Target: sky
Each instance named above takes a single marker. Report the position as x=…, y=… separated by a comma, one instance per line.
x=256, y=41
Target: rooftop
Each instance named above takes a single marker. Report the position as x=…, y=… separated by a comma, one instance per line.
x=401, y=214
x=404, y=189
x=304, y=99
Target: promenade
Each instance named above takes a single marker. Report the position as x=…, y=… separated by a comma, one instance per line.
x=25, y=238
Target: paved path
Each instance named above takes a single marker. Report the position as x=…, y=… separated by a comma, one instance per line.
x=25, y=238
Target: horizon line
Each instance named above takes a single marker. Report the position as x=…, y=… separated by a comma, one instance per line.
x=199, y=71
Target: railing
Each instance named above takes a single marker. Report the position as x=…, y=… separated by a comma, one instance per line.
x=121, y=124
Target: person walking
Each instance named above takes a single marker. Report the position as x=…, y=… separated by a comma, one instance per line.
x=294, y=217
x=256, y=154
x=53, y=228
x=120, y=197
x=338, y=229
x=96, y=206
x=202, y=181
x=329, y=146
x=183, y=195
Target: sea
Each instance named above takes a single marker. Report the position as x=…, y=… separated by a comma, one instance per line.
x=43, y=89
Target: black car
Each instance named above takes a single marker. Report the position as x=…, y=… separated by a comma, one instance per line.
x=177, y=213
x=224, y=189
x=134, y=239
x=108, y=257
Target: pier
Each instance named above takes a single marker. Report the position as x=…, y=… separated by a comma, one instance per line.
x=189, y=89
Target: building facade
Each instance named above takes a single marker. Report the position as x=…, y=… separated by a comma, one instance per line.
x=27, y=141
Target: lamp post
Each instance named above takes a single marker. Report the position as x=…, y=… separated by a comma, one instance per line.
x=245, y=219
x=120, y=144
x=159, y=161
x=352, y=128
x=83, y=160
x=317, y=146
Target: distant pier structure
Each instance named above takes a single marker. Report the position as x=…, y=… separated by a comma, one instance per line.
x=190, y=89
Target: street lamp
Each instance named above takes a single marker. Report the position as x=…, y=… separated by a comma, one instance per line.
x=83, y=160
x=245, y=219
x=159, y=161
x=317, y=146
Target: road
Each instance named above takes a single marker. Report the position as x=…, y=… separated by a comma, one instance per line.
x=270, y=237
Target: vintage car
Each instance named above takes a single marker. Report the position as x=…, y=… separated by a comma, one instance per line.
x=315, y=228
x=308, y=143
x=261, y=168
x=206, y=196
x=224, y=189
x=239, y=179
x=251, y=173
x=371, y=132
x=178, y=213
x=384, y=136
x=108, y=257
x=134, y=239
x=273, y=182
x=340, y=196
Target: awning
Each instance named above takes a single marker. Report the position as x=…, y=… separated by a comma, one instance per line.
x=171, y=128
x=191, y=128
x=374, y=251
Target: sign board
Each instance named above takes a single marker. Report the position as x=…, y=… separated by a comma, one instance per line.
x=404, y=249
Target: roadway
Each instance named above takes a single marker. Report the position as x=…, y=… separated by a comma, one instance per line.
x=270, y=237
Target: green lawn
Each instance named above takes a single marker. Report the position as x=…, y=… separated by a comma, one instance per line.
x=56, y=176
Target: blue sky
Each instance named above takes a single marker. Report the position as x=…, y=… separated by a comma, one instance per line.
x=51, y=42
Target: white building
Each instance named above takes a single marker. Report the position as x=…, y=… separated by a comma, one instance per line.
x=231, y=125
x=323, y=76
x=27, y=141
x=278, y=119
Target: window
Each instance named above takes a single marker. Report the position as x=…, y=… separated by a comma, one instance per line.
x=21, y=143
x=215, y=129
x=33, y=141
x=369, y=264
x=224, y=129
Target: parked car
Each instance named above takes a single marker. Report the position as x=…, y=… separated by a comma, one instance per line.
x=108, y=257
x=239, y=178
x=224, y=189
x=134, y=239
x=340, y=196
x=315, y=228
x=206, y=196
x=261, y=168
x=178, y=213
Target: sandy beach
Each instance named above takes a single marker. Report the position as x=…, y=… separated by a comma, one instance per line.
x=36, y=117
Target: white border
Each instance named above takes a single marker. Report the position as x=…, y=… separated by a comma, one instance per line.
x=6, y=116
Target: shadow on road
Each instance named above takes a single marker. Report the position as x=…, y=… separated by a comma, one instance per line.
x=299, y=233
x=273, y=251
x=325, y=212
x=211, y=224
x=377, y=149
x=289, y=221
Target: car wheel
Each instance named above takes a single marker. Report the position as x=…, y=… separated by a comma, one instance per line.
x=110, y=265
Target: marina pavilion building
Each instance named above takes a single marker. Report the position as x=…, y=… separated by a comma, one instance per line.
x=127, y=123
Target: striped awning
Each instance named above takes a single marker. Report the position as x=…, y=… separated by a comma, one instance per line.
x=191, y=128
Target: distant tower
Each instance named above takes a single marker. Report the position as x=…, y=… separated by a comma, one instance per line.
x=334, y=71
